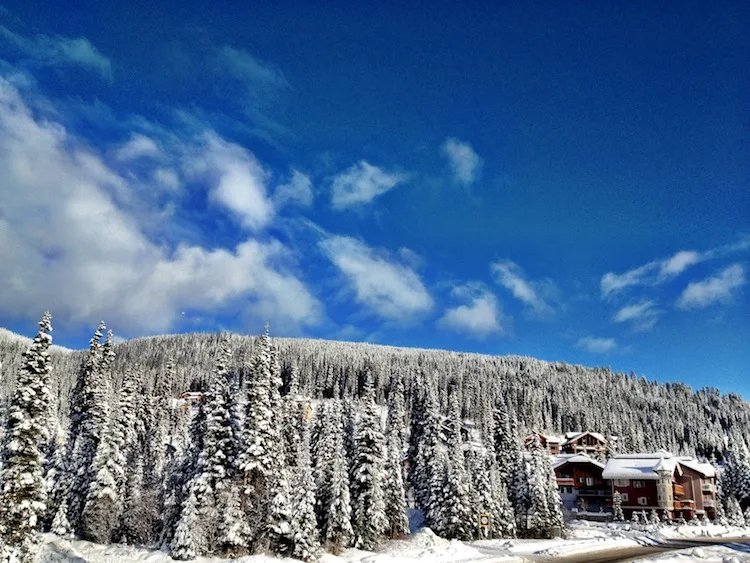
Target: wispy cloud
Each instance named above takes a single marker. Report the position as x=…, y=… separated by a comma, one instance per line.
x=48, y=50
x=716, y=289
x=509, y=275
x=387, y=288
x=138, y=146
x=479, y=316
x=661, y=271
x=642, y=316
x=362, y=183
x=465, y=163
x=297, y=191
x=237, y=180
x=597, y=345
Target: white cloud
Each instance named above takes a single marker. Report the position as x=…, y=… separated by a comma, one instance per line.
x=138, y=146
x=464, y=162
x=297, y=191
x=642, y=316
x=65, y=245
x=718, y=288
x=511, y=277
x=260, y=76
x=661, y=271
x=361, y=183
x=167, y=178
x=45, y=50
x=238, y=181
x=389, y=289
x=479, y=317
x=597, y=345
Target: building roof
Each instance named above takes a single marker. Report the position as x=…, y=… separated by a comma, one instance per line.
x=705, y=469
x=573, y=436
x=560, y=460
x=639, y=466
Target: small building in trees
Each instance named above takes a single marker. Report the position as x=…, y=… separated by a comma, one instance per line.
x=548, y=442
x=581, y=484
x=589, y=443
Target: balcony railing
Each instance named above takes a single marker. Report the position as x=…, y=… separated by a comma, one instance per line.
x=707, y=487
x=679, y=490
x=594, y=493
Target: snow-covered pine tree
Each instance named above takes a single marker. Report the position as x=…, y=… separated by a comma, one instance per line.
x=617, y=513
x=234, y=532
x=136, y=518
x=457, y=516
x=519, y=493
x=370, y=520
x=258, y=462
x=304, y=522
x=395, y=497
x=503, y=518
x=104, y=498
x=734, y=513
x=481, y=489
x=426, y=453
x=88, y=419
x=653, y=517
x=337, y=531
x=22, y=490
x=505, y=443
x=190, y=539
x=213, y=465
x=540, y=516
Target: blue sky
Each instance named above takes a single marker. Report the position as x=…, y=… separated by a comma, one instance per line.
x=568, y=182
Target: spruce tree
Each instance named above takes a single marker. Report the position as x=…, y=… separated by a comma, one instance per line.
x=336, y=528
x=22, y=489
x=304, y=523
x=370, y=520
x=88, y=419
x=617, y=513
x=395, y=499
x=457, y=517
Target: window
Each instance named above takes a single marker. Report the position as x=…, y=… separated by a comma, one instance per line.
x=639, y=484
x=622, y=482
x=589, y=481
x=643, y=501
x=624, y=497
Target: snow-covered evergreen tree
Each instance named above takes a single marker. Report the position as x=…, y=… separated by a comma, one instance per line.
x=336, y=529
x=88, y=419
x=457, y=517
x=540, y=511
x=617, y=512
x=368, y=499
x=395, y=497
x=22, y=488
x=734, y=513
x=304, y=522
x=234, y=531
x=190, y=538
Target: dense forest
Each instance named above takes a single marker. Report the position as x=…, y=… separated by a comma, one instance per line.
x=291, y=446
x=539, y=396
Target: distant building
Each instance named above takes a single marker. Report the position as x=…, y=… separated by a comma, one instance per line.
x=589, y=443
x=680, y=486
x=549, y=443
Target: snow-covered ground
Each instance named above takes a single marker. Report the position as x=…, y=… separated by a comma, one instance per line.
x=583, y=538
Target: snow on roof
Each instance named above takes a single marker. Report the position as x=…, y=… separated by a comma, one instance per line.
x=553, y=440
x=638, y=466
x=560, y=460
x=573, y=436
x=705, y=469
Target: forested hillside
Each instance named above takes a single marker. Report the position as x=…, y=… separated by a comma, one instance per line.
x=539, y=395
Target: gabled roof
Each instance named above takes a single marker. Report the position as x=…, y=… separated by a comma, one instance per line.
x=560, y=460
x=705, y=469
x=574, y=436
x=639, y=466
